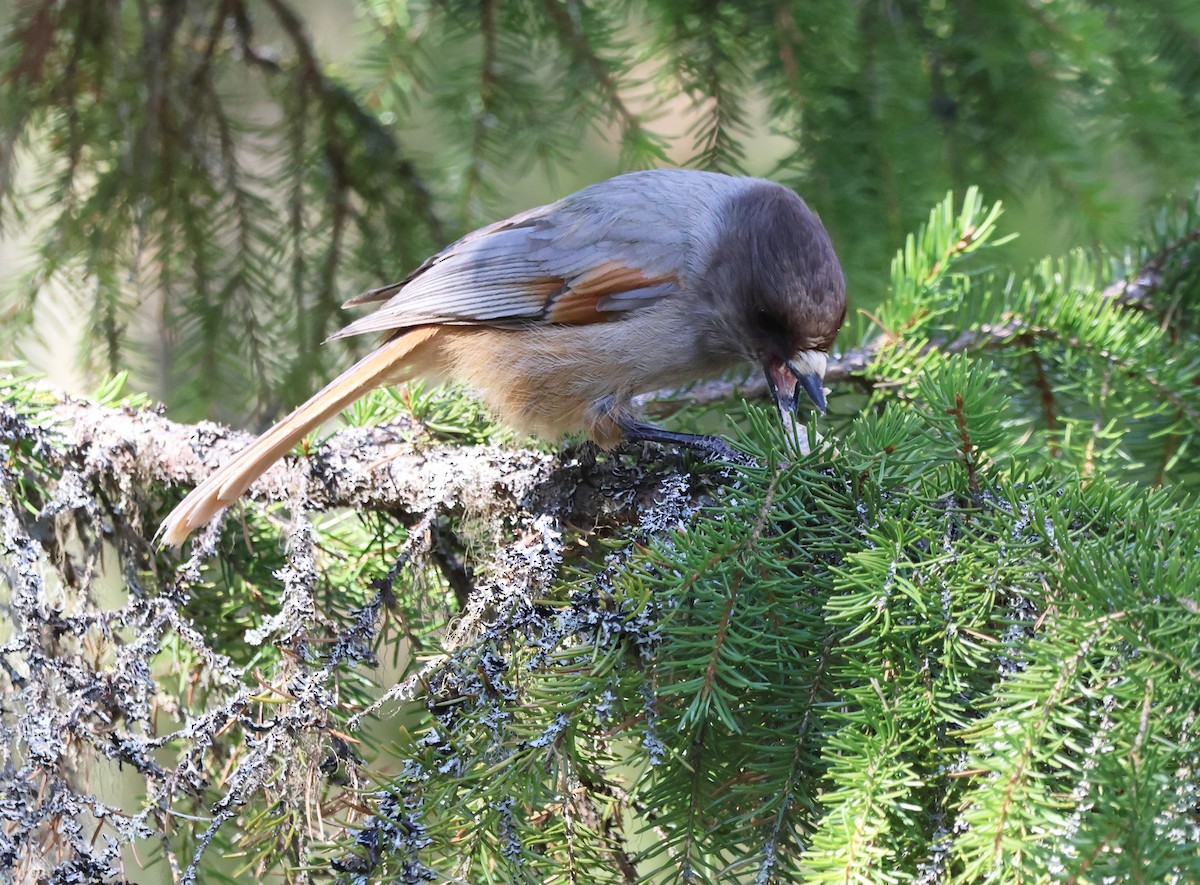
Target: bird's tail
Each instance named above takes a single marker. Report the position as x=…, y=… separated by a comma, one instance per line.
x=222, y=488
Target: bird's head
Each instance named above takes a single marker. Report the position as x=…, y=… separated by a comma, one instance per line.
x=782, y=292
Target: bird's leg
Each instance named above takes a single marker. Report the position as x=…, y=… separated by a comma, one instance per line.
x=713, y=446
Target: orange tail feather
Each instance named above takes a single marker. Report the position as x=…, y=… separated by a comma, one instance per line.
x=227, y=484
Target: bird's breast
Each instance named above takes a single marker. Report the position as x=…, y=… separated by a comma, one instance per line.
x=548, y=379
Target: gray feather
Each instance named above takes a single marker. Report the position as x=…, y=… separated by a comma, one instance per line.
x=661, y=222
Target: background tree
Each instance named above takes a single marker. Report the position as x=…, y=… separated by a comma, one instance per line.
x=207, y=189
x=955, y=642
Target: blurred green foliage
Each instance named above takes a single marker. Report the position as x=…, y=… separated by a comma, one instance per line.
x=207, y=180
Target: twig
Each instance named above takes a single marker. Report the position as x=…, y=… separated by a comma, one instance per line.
x=601, y=71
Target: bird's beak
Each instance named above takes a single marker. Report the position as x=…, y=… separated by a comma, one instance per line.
x=814, y=386
x=786, y=378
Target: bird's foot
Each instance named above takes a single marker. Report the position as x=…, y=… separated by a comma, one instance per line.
x=713, y=447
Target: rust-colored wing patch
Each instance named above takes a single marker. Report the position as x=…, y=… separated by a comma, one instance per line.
x=546, y=288
x=581, y=301
x=612, y=277
x=576, y=308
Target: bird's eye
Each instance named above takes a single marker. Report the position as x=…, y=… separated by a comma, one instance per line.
x=766, y=320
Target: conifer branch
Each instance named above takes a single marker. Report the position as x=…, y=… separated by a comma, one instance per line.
x=578, y=46
x=1046, y=394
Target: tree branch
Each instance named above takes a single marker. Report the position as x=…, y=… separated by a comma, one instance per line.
x=392, y=468
x=851, y=366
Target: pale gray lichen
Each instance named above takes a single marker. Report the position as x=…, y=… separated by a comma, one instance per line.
x=63, y=706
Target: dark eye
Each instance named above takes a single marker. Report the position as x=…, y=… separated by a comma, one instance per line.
x=766, y=320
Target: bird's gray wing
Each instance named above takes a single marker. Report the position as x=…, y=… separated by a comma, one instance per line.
x=609, y=248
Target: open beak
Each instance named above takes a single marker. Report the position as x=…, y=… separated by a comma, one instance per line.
x=806, y=371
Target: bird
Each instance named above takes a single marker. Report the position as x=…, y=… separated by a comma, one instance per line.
x=558, y=316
